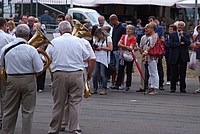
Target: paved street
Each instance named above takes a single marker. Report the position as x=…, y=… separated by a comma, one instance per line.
x=128, y=113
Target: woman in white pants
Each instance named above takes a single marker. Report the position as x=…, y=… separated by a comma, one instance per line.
x=152, y=60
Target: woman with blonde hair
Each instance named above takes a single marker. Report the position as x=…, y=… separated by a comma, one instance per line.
x=102, y=46
x=11, y=27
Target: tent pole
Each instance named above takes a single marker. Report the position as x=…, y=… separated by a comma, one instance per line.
x=22, y=8
x=195, y=14
x=36, y=14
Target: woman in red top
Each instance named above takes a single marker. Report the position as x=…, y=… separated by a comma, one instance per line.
x=127, y=42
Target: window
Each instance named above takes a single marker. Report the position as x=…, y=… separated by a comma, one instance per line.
x=79, y=17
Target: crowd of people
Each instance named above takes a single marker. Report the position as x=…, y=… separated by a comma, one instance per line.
x=107, y=53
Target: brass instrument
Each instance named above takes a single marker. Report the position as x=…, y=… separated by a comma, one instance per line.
x=80, y=30
x=36, y=41
x=87, y=90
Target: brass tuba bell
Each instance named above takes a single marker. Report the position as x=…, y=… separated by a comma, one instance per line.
x=80, y=30
x=36, y=41
x=87, y=90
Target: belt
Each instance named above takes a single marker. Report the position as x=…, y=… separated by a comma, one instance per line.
x=67, y=71
x=20, y=74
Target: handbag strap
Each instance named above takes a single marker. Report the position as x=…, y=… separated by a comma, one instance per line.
x=125, y=40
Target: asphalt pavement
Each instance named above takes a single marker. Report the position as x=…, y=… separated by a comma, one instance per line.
x=128, y=113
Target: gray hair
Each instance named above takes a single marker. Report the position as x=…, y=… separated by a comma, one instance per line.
x=38, y=25
x=22, y=30
x=130, y=27
x=64, y=26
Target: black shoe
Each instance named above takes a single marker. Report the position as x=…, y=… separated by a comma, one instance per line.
x=183, y=91
x=140, y=90
x=172, y=91
x=126, y=89
x=115, y=87
x=161, y=88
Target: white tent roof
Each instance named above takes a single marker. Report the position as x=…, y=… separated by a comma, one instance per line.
x=138, y=2
x=96, y=2
x=58, y=2
x=187, y=4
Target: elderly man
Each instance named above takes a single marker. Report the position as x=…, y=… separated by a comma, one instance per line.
x=31, y=21
x=178, y=56
x=21, y=87
x=101, y=21
x=68, y=55
x=4, y=39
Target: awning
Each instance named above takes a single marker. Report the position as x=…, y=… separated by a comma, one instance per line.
x=96, y=2
x=57, y=2
x=187, y=4
x=138, y=2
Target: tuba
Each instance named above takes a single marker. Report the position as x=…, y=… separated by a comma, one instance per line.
x=36, y=41
x=87, y=90
x=81, y=31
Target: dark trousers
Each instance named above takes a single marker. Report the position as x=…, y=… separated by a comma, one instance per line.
x=160, y=71
x=146, y=79
x=178, y=69
x=41, y=81
x=168, y=68
x=129, y=67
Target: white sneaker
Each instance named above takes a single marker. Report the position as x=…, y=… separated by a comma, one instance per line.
x=197, y=91
x=121, y=87
x=168, y=83
x=178, y=83
x=50, y=84
x=40, y=91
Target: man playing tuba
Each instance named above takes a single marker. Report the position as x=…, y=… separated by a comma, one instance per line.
x=21, y=81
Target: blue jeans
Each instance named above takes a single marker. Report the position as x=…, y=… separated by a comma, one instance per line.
x=100, y=69
x=115, y=59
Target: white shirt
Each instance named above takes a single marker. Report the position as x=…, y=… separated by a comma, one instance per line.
x=103, y=56
x=67, y=53
x=21, y=59
x=195, y=31
x=5, y=38
x=90, y=50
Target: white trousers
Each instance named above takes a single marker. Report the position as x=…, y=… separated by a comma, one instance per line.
x=153, y=74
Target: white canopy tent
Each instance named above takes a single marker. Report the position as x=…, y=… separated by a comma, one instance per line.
x=138, y=2
x=190, y=4
x=96, y=2
x=57, y=2
x=187, y=4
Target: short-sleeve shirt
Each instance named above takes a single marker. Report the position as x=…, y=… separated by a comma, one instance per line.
x=5, y=39
x=21, y=59
x=143, y=42
x=129, y=41
x=103, y=56
x=90, y=50
x=117, y=32
x=67, y=53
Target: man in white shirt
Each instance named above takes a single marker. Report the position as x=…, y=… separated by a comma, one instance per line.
x=21, y=62
x=4, y=39
x=89, y=67
x=68, y=55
